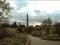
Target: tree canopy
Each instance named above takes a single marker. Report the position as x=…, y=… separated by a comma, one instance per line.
x=5, y=9
x=47, y=21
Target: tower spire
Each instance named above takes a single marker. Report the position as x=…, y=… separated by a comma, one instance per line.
x=27, y=21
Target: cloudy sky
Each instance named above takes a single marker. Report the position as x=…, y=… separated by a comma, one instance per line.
x=37, y=11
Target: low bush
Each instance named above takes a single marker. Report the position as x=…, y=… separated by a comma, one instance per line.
x=17, y=40
x=52, y=37
x=36, y=33
x=11, y=38
x=3, y=33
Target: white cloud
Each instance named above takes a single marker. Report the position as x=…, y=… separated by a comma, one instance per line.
x=12, y=20
x=23, y=10
x=36, y=23
x=13, y=4
x=28, y=10
x=20, y=21
x=47, y=6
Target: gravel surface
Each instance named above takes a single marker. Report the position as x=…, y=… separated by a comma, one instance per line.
x=38, y=41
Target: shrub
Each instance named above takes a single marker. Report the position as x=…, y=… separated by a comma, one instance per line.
x=52, y=36
x=36, y=33
x=14, y=25
x=10, y=34
x=3, y=33
x=17, y=40
x=6, y=33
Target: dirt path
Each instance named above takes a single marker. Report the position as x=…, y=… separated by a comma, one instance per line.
x=38, y=41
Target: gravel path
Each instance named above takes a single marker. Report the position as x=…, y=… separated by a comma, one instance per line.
x=38, y=41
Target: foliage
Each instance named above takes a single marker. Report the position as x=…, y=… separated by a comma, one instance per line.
x=46, y=26
x=8, y=36
x=47, y=21
x=17, y=40
x=3, y=33
x=5, y=6
x=14, y=25
x=20, y=28
x=57, y=26
x=28, y=30
x=36, y=33
x=6, y=11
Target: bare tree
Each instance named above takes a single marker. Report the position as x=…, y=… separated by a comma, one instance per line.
x=47, y=25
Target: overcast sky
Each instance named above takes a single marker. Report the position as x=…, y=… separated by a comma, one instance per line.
x=37, y=10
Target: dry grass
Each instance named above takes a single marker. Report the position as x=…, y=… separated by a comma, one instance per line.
x=17, y=39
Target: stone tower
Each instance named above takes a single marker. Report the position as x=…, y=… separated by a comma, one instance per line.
x=27, y=24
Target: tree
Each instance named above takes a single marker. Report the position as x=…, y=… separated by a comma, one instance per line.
x=47, y=25
x=14, y=25
x=5, y=9
x=57, y=26
x=47, y=21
